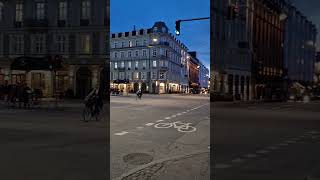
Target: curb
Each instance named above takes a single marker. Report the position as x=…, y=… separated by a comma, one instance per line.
x=158, y=161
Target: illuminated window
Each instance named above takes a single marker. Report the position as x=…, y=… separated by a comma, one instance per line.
x=154, y=63
x=40, y=10
x=19, y=12
x=63, y=9
x=38, y=81
x=85, y=9
x=85, y=44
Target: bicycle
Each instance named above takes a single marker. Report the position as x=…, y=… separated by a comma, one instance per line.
x=92, y=109
x=180, y=126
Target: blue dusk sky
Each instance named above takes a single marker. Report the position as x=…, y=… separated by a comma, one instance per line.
x=125, y=14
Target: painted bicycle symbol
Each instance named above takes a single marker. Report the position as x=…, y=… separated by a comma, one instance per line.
x=180, y=126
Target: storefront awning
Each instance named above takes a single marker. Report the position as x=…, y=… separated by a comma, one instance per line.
x=121, y=81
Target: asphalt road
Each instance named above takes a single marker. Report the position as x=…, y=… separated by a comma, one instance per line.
x=51, y=145
x=141, y=132
x=266, y=141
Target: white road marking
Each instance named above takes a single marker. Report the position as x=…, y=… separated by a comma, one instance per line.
x=262, y=151
x=179, y=114
x=184, y=112
x=140, y=127
x=121, y=133
x=159, y=121
x=173, y=116
x=149, y=124
x=251, y=155
x=167, y=118
x=283, y=144
x=238, y=160
x=272, y=147
x=222, y=166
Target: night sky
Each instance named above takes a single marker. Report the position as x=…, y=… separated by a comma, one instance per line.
x=124, y=14
x=311, y=9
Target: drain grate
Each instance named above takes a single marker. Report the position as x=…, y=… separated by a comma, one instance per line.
x=137, y=158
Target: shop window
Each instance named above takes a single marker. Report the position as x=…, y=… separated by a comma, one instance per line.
x=38, y=81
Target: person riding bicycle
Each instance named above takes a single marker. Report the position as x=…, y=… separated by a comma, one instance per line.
x=139, y=94
x=94, y=102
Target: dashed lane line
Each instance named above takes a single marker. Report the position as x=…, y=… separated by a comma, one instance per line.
x=149, y=124
x=121, y=133
x=159, y=120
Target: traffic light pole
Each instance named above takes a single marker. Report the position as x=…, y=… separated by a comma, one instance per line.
x=194, y=19
x=184, y=20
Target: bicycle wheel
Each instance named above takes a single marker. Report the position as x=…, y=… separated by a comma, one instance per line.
x=186, y=129
x=163, y=125
x=86, y=114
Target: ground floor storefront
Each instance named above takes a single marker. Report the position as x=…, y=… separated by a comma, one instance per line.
x=233, y=83
x=153, y=87
x=72, y=80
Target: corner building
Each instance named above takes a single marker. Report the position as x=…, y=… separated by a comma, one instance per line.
x=152, y=60
x=38, y=29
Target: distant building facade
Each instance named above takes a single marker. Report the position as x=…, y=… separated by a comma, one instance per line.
x=231, y=58
x=152, y=60
x=74, y=29
x=300, y=47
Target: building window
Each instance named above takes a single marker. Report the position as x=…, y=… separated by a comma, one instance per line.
x=154, y=52
x=154, y=75
x=1, y=11
x=122, y=64
x=38, y=81
x=144, y=53
x=129, y=76
x=122, y=44
x=61, y=43
x=137, y=64
x=144, y=64
x=63, y=10
x=154, y=63
x=130, y=43
x=161, y=75
x=137, y=53
x=136, y=75
x=144, y=42
x=39, y=42
x=121, y=75
x=137, y=43
x=161, y=63
x=85, y=43
x=85, y=9
x=116, y=65
x=129, y=65
x=122, y=54
x=143, y=75
x=129, y=54
x=19, y=12
x=17, y=44
x=115, y=45
x=115, y=54
x=40, y=10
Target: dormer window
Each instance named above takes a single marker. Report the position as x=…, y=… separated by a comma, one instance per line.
x=155, y=29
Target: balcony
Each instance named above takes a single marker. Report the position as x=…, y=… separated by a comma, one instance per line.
x=164, y=68
x=36, y=23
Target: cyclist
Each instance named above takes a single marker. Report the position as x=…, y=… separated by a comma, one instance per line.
x=139, y=94
x=94, y=103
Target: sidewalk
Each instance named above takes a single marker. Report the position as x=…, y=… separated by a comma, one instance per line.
x=187, y=167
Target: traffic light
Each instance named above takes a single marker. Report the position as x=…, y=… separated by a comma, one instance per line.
x=178, y=27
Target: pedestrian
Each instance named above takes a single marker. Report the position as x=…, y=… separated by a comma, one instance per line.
x=25, y=94
x=20, y=93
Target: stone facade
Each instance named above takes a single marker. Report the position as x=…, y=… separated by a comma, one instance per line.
x=74, y=29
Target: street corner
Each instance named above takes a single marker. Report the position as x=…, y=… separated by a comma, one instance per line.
x=187, y=167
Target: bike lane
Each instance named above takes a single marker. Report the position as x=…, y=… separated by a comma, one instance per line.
x=190, y=134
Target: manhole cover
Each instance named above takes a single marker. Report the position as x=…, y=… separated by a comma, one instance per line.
x=137, y=158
